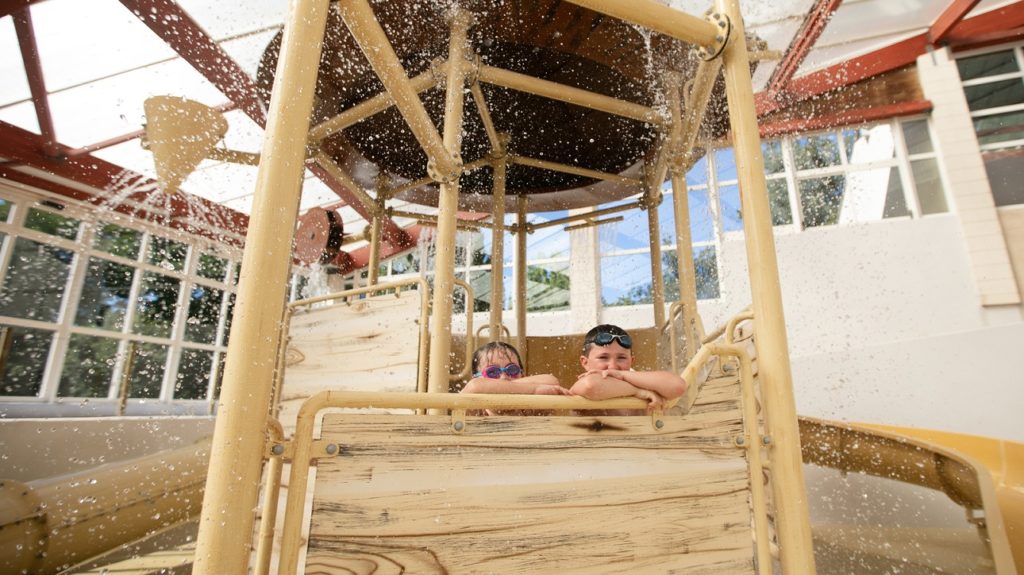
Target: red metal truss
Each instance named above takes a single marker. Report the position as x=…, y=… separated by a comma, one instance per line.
x=887, y=59
x=950, y=17
x=22, y=147
x=34, y=74
x=844, y=118
x=805, y=39
x=183, y=34
x=8, y=7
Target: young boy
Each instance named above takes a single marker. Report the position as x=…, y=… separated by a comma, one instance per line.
x=607, y=362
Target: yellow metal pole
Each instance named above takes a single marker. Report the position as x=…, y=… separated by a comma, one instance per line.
x=232, y=486
x=790, y=497
x=498, y=248
x=657, y=17
x=374, y=264
x=444, y=264
x=521, y=276
x=359, y=18
x=563, y=93
x=653, y=198
x=575, y=170
x=684, y=241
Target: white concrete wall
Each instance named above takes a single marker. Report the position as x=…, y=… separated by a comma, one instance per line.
x=885, y=326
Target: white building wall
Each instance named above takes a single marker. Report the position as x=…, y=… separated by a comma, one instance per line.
x=885, y=326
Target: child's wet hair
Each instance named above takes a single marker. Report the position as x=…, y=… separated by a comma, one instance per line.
x=493, y=347
x=588, y=340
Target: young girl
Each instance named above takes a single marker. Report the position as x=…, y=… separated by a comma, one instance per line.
x=497, y=368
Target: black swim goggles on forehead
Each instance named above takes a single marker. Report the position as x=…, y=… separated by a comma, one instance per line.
x=494, y=372
x=604, y=339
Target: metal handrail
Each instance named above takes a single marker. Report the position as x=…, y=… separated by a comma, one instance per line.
x=468, y=365
x=265, y=542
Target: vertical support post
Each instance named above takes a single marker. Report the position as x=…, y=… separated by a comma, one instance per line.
x=378, y=214
x=684, y=254
x=652, y=199
x=789, y=493
x=521, y=276
x=448, y=206
x=232, y=484
x=498, y=247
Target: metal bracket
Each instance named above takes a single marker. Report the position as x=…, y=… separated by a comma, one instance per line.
x=658, y=419
x=283, y=449
x=458, y=420
x=321, y=449
x=724, y=25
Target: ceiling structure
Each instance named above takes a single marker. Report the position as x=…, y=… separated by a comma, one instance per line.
x=71, y=102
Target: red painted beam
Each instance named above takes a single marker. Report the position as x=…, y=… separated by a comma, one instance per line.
x=844, y=118
x=176, y=27
x=950, y=17
x=886, y=59
x=8, y=7
x=184, y=35
x=24, y=147
x=348, y=262
x=813, y=25
x=34, y=73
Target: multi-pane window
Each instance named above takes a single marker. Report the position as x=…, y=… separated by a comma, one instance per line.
x=547, y=271
x=994, y=86
x=88, y=306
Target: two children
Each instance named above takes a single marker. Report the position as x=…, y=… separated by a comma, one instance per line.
x=607, y=362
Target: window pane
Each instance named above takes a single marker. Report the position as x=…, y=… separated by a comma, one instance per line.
x=1004, y=169
x=670, y=274
x=867, y=145
x=725, y=165
x=212, y=267
x=147, y=373
x=915, y=133
x=895, y=199
x=701, y=219
x=667, y=219
x=481, y=283
x=987, y=65
x=406, y=264
x=548, y=242
x=778, y=198
x=37, y=276
x=104, y=295
x=630, y=233
x=816, y=151
x=193, y=374
x=5, y=209
x=732, y=215
x=1000, y=128
x=22, y=373
x=156, y=304
x=626, y=280
x=698, y=174
x=772, y=152
x=51, y=223
x=995, y=94
x=929, y=186
x=870, y=195
x=167, y=253
x=118, y=241
x=705, y=270
x=88, y=366
x=547, y=287
x=203, y=313
x=820, y=199
x=230, y=312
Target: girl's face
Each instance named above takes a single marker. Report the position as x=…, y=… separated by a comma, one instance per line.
x=498, y=358
x=611, y=356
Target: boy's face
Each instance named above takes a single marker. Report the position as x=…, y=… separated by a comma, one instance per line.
x=611, y=356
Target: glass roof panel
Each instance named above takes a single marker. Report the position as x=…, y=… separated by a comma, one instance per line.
x=71, y=53
x=15, y=84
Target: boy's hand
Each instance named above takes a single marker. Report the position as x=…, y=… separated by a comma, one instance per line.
x=654, y=401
